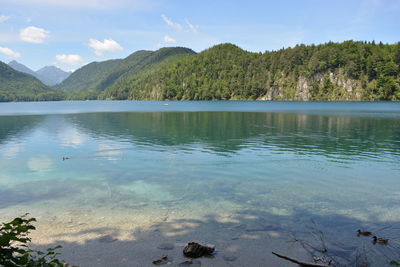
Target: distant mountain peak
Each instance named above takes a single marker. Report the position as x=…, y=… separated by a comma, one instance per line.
x=49, y=75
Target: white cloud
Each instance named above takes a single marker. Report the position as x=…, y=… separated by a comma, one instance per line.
x=169, y=22
x=33, y=34
x=40, y=164
x=192, y=27
x=108, y=45
x=4, y=18
x=169, y=39
x=69, y=59
x=8, y=52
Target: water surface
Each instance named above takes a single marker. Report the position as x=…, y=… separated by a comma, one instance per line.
x=256, y=170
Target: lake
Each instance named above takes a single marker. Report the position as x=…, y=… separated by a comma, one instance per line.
x=249, y=177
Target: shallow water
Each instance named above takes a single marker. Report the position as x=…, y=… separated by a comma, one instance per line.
x=256, y=169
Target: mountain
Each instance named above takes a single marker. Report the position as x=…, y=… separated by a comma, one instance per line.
x=351, y=70
x=332, y=71
x=21, y=67
x=94, y=78
x=49, y=75
x=19, y=86
x=87, y=77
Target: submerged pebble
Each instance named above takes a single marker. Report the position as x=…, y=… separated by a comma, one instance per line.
x=107, y=239
x=229, y=257
x=166, y=246
x=191, y=263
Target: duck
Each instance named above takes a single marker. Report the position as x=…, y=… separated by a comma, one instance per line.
x=363, y=233
x=379, y=240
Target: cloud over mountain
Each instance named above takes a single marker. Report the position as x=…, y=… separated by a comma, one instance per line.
x=33, y=34
x=108, y=45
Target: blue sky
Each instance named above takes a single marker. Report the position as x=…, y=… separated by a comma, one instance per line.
x=71, y=33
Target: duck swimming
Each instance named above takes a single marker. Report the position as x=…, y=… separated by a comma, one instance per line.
x=363, y=233
x=379, y=240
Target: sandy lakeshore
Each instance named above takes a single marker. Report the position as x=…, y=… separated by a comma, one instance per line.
x=121, y=238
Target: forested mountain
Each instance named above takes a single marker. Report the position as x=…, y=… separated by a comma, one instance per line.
x=149, y=63
x=49, y=75
x=331, y=71
x=87, y=77
x=90, y=80
x=18, y=86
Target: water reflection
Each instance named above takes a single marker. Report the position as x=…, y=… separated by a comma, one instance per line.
x=232, y=131
x=13, y=127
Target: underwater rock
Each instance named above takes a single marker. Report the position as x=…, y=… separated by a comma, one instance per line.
x=229, y=257
x=107, y=239
x=166, y=246
x=191, y=263
x=196, y=250
x=161, y=260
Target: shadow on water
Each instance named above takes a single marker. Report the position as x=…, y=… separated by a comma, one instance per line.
x=246, y=238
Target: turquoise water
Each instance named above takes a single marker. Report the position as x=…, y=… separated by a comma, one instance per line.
x=291, y=165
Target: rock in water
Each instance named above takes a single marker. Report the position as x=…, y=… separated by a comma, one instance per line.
x=161, y=260
x=196, y=250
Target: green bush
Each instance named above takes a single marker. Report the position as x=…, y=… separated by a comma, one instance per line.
x=14, y=250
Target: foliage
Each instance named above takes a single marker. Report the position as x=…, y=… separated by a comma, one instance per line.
x=14, y=250
x=87, y=77
x=332, y=71
x=90, y=80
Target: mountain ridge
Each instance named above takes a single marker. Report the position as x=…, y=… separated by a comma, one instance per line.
x=351, y=70
x=92, y=79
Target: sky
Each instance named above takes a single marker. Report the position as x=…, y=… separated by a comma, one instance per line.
x=72, y=33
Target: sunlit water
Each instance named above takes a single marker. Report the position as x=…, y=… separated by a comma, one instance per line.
x=277, y=168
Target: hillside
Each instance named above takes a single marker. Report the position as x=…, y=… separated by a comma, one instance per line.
x=92, y=79
x=87, y=77
x=149, y=63
x=18, y=86
x=333, y=71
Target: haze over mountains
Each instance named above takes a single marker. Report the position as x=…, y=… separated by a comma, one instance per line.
x=332, y=71
x=19, y=86
x=49, y=75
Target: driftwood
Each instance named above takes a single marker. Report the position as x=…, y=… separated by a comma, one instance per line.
x=301, y=263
